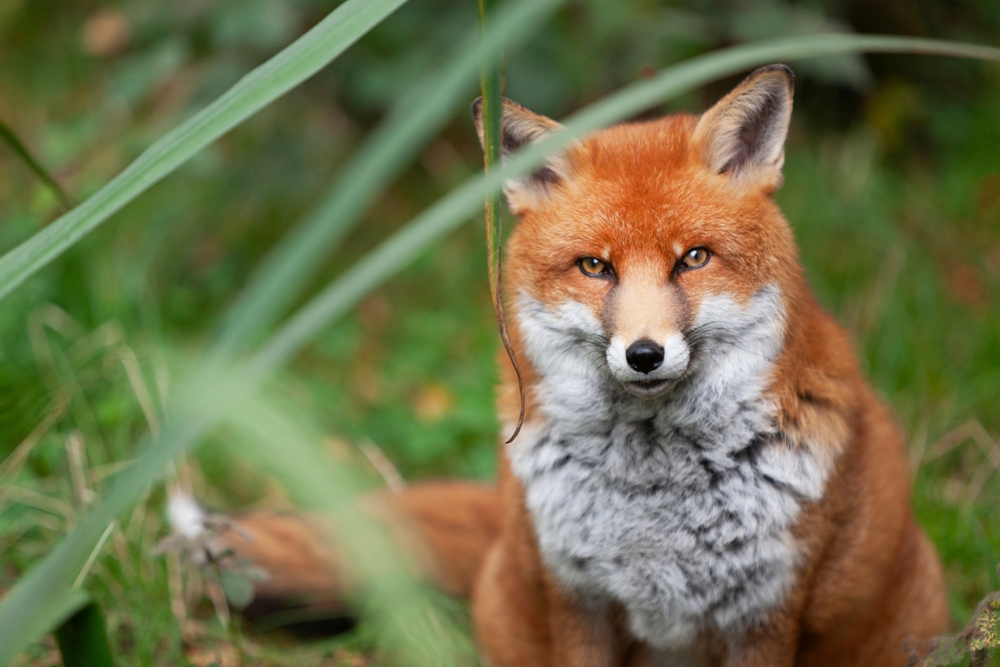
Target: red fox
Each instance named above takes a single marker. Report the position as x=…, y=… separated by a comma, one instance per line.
x=703, y=476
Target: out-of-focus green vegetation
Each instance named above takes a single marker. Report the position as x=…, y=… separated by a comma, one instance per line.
x=892, y=186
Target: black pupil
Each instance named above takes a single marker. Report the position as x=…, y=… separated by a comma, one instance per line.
x=594, y=264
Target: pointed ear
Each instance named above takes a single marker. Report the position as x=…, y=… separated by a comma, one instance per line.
x=520, y=126
x=743, y=135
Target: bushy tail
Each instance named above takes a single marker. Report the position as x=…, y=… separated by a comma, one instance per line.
x=446, y=527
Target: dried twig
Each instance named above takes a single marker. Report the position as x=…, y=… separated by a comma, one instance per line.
x=76, y=456
x=383, y=465
x=974, y=431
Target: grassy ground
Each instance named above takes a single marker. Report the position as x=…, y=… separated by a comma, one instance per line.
x=897, y=213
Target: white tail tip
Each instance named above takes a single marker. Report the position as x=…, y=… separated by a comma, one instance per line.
x=185, y=514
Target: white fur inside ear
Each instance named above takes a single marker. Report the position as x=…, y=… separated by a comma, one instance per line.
x=528, y=191
x=743, y=135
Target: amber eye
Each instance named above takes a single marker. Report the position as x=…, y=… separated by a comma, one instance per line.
x=695, y=258
x=594, y=267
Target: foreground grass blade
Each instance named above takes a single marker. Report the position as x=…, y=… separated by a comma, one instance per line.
x=22, y=151
x=417, y=117
x=410, y=622
x=83, y=639
x=448, y=213
x=40, y=598
x=46, y=588
x=303, y=58
x=41, y=594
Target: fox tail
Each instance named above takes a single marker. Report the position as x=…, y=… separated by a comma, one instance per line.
x=445, y=528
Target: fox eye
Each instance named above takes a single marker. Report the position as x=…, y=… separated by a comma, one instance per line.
x=695, y=258
x=593, y=267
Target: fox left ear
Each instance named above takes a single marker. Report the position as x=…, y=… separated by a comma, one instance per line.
x=743, y=135
x=520, y=126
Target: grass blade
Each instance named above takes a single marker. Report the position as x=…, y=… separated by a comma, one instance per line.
x=282, y=441
x=214, y=392
x=46, y=589
x=418, y=116
x=492, y=84
x=83, y=639
x=393, y=254
x=491, y=87
x=22, y=151
x=296, y=63
x=41, y=597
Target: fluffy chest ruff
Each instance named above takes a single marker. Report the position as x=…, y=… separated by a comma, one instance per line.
x=679, y=507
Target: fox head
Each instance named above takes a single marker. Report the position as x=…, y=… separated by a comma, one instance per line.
x=646, y=250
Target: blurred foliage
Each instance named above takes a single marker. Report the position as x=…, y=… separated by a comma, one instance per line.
x=892, y=187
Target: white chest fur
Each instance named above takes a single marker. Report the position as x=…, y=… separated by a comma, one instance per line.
x=679, y=507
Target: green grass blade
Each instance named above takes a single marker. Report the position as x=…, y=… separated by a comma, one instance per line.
x=40, y=598
x=296, y=63
x=285, y=442
x=419, y=115
x=215, y=391
x=393, y=254
x=83, y=639
x=22, y=151
x=700, y=70
x=47, y=587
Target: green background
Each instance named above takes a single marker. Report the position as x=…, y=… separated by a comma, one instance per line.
x=892, y=187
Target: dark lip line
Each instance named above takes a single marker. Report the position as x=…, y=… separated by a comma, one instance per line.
x=650, y=388
x=648, y=383
x=651, y=383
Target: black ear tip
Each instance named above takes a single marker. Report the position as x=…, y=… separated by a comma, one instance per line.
x=776, y=68
x=477, y=107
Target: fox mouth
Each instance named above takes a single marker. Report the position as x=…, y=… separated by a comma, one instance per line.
x=650, y=388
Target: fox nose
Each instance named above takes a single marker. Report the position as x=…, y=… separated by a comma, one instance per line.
x=644, y=356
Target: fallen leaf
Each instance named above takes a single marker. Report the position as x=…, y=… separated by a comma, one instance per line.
x=988, y=194
x=966, y=286
x=366, y=383
x=374, y=312
x=993, y=257
x=106, y=33
x=433, y=402
x=346, y=658
x=222, y=654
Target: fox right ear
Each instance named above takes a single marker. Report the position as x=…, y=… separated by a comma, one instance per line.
x=520, y=126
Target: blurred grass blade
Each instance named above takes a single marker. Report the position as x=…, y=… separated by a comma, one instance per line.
x=83, y=639
x=22, y=151
x=393, y=254
x=420, y=114
x=285, y=442
x=45, y=590
x=697, y=71
x=296, y=63
x=40, y=598
x=215, y=393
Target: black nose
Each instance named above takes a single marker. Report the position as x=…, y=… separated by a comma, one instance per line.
x=644, y=356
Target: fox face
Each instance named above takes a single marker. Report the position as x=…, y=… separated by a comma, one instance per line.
x=647, y=242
